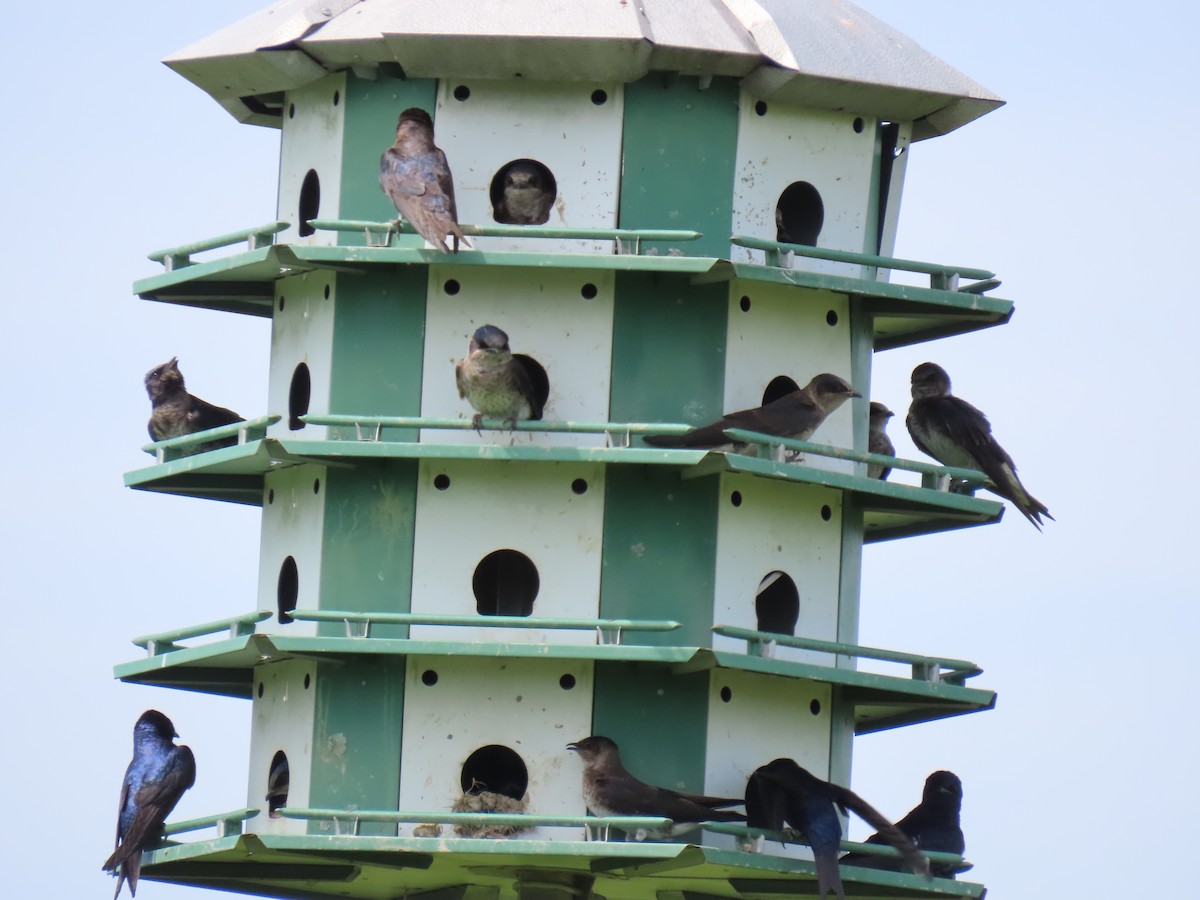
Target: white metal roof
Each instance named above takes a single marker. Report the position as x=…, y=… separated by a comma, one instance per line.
x=823, y=53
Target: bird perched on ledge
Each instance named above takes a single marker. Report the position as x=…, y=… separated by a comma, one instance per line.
x=414, y=173
x=878, y=441
x=784, y=792
x=795, y=415
x=156, y=778
x=610, y=790
x=175, y=412
x=955, y=433
x=932, y=824
x=498, y=383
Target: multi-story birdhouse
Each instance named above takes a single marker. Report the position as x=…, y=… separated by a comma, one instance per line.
x=442, y=609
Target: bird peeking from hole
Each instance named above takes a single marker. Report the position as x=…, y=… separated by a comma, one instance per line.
x=498, y=383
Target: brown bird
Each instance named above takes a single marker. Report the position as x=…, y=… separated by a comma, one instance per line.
x=499, y=383
x=610, y=790
x=878, y=441
x=525, y=198
x=955, y=433
x=175, y=412
x=795, y=415
x=415, y=174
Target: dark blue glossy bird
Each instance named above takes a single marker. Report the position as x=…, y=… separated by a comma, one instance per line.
x=932, y=824
x=782, y=792
x=415, y=174
x=157, y=776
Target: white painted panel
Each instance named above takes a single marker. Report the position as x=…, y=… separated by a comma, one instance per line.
x=313, y=126
x=546, y=316
x=764, y=718
x=788, y=333
x=293, y=518
x=790, y=144
x=515, y=703
x=528, y=507
x=778, y=527
x=282, y=720
x=301, y=332
x=556, y=124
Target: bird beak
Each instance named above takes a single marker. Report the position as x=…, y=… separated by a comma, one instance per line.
x=573, y=746
x=854, y=393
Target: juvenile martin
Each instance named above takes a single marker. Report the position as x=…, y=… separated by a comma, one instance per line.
x=157, y=776
x=784, y=792
x=415, y=174
x=955, y=433
x=525, y=199
x=795, y=415
x=498, y=383
x=609, y=790
x=878, y=441
x=175, y=412
x=932, y=824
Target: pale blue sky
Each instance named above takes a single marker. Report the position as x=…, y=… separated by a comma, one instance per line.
x=1081, y=194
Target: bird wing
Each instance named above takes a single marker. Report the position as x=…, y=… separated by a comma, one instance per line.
x=532, y=382
x=460, y=379
x=446, y=183
x=888, y=832
x=204, y=415
x=121, y=807
x=399, y=177
x=154, y=801
x=766, y=801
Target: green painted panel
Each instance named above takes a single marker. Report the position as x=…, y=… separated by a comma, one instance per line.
x=356, y=739
x=660, y=541
x=372, y=108
x=659, y=720
x=367, y=544
x=378, y=342
x=680, y=145
x=668, y=349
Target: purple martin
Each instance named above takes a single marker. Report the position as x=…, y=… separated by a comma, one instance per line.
x=955, y=433
x=783, y=792
x=415, y=174
x=795, y=415
x=175, y=412
x=878, y=441
x=278, y=784
x=610, y=790
x=157, y=776
x=525, y=199
x=498, y=383
x=932, y=824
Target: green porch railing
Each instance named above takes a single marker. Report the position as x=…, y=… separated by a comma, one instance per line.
x=910, y=465
x=177, y=257
x=248, y=430
x=790, y=836
x=356, y=816
x=237, y=626
x=358, y=624
x=227, y=823
x=941, y=277
x=924, y=668
x=628, y=240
